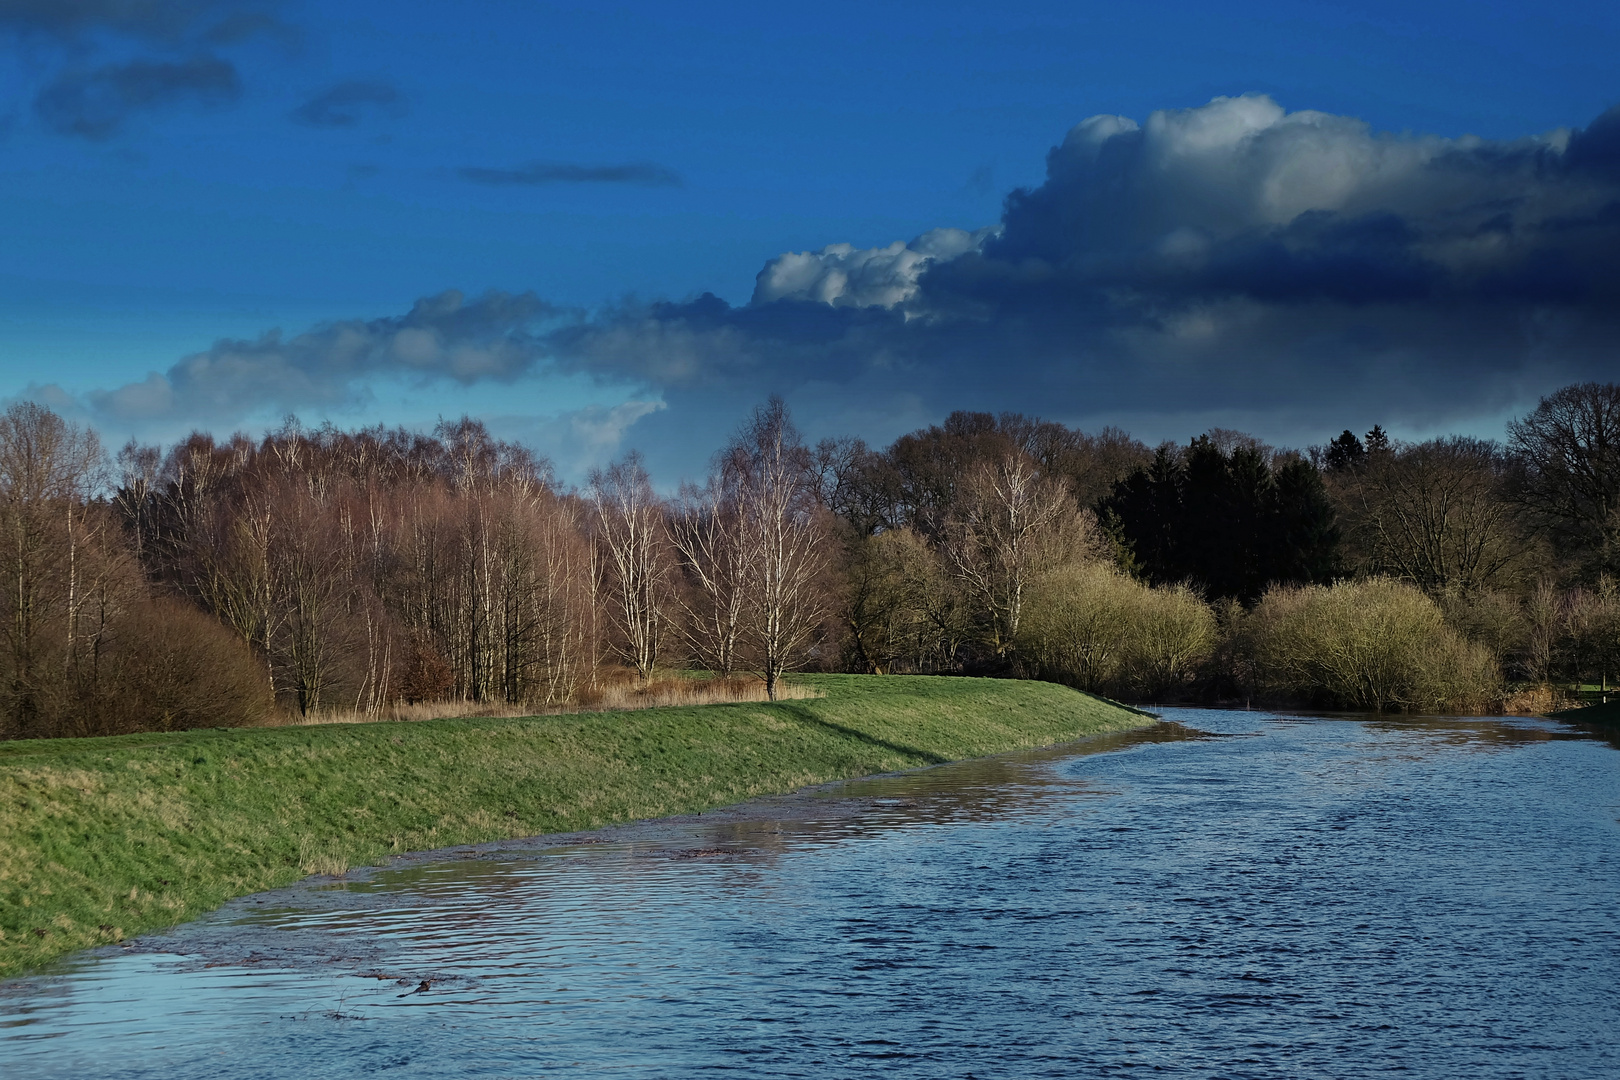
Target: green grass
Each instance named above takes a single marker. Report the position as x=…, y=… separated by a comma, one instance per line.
x=103, y=838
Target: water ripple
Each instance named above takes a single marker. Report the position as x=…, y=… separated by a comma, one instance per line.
x=1236, y=895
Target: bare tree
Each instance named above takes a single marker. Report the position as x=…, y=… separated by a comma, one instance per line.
x=630, y=529
x=1435, y=513
x=48, y=469
x=709, y=536
x=773, y=475
x=1570, y=451
x=1010, y=524
x=138, y=467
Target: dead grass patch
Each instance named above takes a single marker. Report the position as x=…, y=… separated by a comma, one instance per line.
x=613, y=693
x=1537, y=701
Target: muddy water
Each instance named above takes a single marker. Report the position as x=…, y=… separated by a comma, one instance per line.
x=1227, y=894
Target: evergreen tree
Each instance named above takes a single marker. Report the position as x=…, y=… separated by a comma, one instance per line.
x=1227, y=522
x=1345, y=452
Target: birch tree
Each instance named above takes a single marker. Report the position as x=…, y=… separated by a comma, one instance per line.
x=710, y=539
x=48, y=469
x=1009, y=524
x=782, y=540
x=629, y=524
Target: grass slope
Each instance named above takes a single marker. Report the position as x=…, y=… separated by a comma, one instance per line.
x=1607, y=713
x=102, y=838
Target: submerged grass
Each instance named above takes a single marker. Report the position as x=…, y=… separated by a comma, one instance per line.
x=103, y=838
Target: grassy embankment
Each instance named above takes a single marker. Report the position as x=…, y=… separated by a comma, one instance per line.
x=103, y=838
x=1607, y=713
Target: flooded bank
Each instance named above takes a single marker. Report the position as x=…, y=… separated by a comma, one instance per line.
x=1223, y=894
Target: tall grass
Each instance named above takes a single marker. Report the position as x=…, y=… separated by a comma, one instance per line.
x=610, y=695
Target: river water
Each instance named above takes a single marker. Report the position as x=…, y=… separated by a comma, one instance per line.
x=1227, y=894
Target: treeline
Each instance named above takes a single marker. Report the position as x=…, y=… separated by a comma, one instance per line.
x=214, y=583
x=325, y=571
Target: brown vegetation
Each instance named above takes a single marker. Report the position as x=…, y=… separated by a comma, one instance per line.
x=383, y=574
x=615, y=690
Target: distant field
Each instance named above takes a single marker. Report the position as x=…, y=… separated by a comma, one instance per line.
x=105, y=838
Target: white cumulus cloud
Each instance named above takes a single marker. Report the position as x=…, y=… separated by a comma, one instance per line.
x=843, y=275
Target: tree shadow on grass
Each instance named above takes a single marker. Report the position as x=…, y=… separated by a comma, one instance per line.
x=808, y=716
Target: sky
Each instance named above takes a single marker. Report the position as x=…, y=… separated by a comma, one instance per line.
x=599, y=227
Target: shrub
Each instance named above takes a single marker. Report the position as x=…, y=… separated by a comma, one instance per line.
x=1097, y=629
x=1173, y=636
x=170, y=668
x=426, y=677
x=1492, y=618
x=1375, y=644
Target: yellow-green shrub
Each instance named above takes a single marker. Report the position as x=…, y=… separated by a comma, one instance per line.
x=1095, y=628
x=1374, y=644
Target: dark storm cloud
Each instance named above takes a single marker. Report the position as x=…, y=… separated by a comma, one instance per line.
x=1233, y=257
x=1239, y=199
x=537, y=173
x=347, y=103
x=95, y=104
x=443, y=337
x=1231, y=264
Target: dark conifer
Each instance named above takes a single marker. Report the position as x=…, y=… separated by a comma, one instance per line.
x=1345, y=452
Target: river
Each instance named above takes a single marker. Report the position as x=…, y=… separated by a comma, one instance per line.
x=1226, y=894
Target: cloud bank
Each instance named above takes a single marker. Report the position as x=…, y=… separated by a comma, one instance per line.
x=1234, y=257
x=446, y=338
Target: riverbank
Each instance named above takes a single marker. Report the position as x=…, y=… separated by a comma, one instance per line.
x=105, y=838
x=1606, y=713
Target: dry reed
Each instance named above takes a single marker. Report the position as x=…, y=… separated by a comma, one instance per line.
x=613, y=693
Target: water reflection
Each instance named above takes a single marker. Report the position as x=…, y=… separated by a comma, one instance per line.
x=1225, y=893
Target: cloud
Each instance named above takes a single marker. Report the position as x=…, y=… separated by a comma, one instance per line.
x=345, y=104
x=95, y=104
x=579, y=440
x=1242, y=199
x=537, y=173
x=1234, y=259
x=1234, y=265
x=239, y=26
x=442, y=338
x=845, y=276
x=177, y=38
x=164, y=22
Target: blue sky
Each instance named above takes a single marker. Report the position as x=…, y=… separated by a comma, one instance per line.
x=177, y=173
